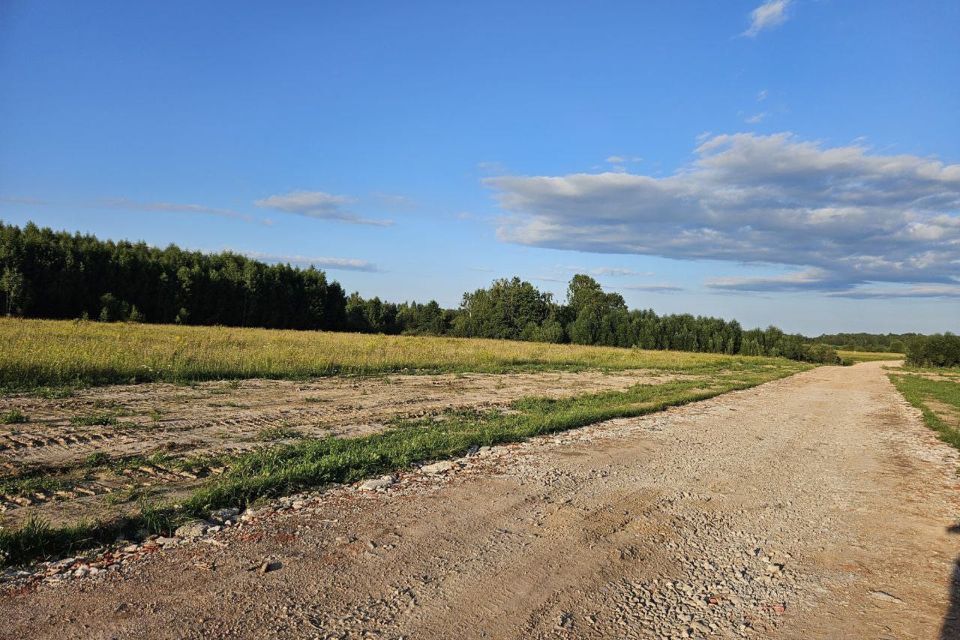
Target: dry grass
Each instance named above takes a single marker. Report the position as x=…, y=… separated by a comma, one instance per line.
x=56, y=353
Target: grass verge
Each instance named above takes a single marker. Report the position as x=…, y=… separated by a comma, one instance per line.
x=284, y=469
x=938, y=400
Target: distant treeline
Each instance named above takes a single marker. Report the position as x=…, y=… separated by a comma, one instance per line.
x=885, y=343
x=48, y=274
x=938, y=350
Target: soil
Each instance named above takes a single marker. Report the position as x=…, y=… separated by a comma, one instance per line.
x=817, y=506
x=230, y=417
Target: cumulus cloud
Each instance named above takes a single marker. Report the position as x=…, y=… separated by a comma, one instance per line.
x=320, y=205
x=343, y=264
x=770, y=14
x=842, y=215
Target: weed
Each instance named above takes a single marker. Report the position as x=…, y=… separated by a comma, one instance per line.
x=97, y=459
x=282, y=432
x=14, y=416
x=103, y=419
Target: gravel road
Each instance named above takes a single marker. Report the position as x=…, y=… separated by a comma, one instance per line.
x=817, y=506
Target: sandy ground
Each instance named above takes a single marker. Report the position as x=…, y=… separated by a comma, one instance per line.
x=812, y=507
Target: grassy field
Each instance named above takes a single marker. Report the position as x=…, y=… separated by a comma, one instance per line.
x=853, y=357
x=38, y=353
x=57, y=353
x=936, y=392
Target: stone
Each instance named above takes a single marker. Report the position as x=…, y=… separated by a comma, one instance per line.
x=375, y=484
x=164, y=541
x=885, y=597
x=223, y=515
x=267, y=567
x=192, y=529
x=437, y=467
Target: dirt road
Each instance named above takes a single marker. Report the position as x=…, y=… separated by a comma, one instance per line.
x=812, y=507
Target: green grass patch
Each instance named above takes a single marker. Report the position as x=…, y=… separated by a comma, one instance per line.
x=104, y=419
x=282, y=432
x=14, y=416
x=309, y=463
x=937, y=399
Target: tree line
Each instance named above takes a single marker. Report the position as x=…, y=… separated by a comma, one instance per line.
x=885, y=343
x=49, y=274
x=938, y=350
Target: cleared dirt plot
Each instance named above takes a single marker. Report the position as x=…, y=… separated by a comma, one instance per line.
x=117, y=440
x=84, y=461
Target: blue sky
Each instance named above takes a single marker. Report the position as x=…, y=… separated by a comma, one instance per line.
x=789, y=162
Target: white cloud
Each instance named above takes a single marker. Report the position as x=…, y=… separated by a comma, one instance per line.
x=617, y=272
x=320, y=205
x=808, y=279
x=756, y=118
x=770, y=14
x=619, y=163
x=652, y=288
x=24, y=200
x=173, y=207
x=344, y=264
x=850, y=216
x=762, y=95
x=920, y=291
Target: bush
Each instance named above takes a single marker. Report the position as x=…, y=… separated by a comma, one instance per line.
x=821, y=354
x=937, y=350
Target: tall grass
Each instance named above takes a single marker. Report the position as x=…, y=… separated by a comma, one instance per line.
x=57, y=353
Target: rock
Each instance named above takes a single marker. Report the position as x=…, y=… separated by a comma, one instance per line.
x=221, y=516
x=437, y=467
x=267, y=567
x=375, y=484
x=164, y=541
x=296, y=505
x=885, y=597
x=192, y=529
